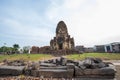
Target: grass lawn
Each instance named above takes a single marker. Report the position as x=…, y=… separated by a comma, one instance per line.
x=27, y=57
x=105, y=56
x=36, y=57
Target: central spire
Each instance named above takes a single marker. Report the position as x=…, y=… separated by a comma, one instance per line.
x=61, y=29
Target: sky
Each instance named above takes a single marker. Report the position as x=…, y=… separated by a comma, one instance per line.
x=33, y=22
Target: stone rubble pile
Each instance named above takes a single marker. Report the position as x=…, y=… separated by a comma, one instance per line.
x=59, y=68
x=15, y=62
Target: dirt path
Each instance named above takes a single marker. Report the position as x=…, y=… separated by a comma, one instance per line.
x=118, y=72
x=117, y=64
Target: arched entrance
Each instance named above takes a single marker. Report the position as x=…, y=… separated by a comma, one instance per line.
x=60, y=46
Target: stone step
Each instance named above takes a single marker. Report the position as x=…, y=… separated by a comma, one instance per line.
x=52, y=68
x=47, y=65
x=11, y=70
x=53, y=73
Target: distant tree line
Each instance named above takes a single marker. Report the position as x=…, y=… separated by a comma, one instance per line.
x=14, y=49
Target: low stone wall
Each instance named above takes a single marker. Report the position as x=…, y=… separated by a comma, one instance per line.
x=59, y=68
x=59, y=52
x=47, y=50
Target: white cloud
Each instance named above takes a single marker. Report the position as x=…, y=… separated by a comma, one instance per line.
x=22, y=31
x=90, y=22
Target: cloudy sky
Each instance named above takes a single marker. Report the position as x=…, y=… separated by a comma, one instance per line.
x=33, y=22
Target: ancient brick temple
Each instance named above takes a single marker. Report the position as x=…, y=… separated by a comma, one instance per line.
x=62, y=44
x=62, y=41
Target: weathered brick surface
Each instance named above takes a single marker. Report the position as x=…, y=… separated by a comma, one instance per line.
x=56, y=73
x=11, y=70
x=60, y=68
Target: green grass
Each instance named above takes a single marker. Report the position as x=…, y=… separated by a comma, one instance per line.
x=37, y=57
x=104, y=56
x=27, y=57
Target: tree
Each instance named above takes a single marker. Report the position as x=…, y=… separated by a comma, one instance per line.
x=16, y=47
x=6, y=50
x=3, y=49
x=26, y=49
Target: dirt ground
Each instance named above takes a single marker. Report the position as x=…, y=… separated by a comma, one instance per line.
x=118, y=72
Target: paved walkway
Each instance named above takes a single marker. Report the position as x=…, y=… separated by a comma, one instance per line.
x=116, y=63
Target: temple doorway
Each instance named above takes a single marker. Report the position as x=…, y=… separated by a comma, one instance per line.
x=60, y=46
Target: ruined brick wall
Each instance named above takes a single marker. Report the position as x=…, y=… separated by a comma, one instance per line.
x=34, y=49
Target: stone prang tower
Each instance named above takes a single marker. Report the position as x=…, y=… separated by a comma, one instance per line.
x=62, y=41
